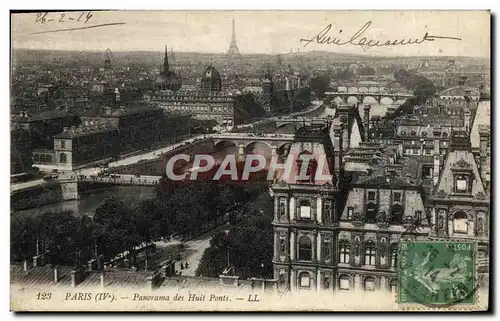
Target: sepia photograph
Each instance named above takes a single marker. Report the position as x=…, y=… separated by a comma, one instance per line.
x=216, y=160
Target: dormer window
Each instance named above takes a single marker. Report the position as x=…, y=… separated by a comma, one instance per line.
x=462, y=184
x=305, y=209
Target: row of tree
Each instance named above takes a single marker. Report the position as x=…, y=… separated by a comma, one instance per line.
x=117, y=226
x=247, y=246
x=422, y=87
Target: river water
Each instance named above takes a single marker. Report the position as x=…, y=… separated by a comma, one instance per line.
x=89, y=201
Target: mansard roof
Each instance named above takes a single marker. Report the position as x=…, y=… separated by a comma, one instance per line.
x=482, y=117
x=461, y=160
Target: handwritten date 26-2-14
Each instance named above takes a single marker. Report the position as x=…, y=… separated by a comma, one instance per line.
x=49, y=17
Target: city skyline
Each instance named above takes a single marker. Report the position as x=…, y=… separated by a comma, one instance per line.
x=256, y=32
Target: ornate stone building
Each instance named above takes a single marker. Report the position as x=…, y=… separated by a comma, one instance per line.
x=209, y=102
x=460, y=204
x=306, y=215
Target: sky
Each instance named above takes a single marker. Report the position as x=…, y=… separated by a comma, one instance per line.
x=271, y=32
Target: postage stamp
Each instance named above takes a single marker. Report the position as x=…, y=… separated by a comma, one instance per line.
x=437, y=273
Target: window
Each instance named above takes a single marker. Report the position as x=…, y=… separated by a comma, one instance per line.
x=371, y=196
x=369, y=284
x=327, y=255
x=327, y=212
x=413, y=142
x=371, y=212
x=414, y=133
x=305, y=209
x=305, y=249
x=394, y=255
x=305, y=280
x=460, y=223
x=461, y=184
x=345, y=251
x=282, y=208
x=424, y=134
x=344, y=282
x=418, y=216
x=397, y=197
x=282, y=247
x=397, y=214
x=62, y=158
x=393, y=285
x=350, y=210
x=63, y=144
x=370, y=253
x=427, y=172
x=416, y=151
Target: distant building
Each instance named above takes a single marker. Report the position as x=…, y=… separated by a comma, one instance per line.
x=20, y=153
x=138, y=127
x=209, y=102
x=167, y=80
x=84, y=145
x=43, y=126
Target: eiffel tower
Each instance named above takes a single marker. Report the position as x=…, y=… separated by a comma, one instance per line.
x=233, y=47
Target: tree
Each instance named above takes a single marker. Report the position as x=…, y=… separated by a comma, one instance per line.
x=319, y=85
x=422, y=87
x=249, y=243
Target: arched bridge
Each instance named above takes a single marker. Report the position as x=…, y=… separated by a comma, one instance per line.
x=361, y=96
x=247, y=142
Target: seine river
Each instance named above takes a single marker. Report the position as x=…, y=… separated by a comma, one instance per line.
x=89, y=201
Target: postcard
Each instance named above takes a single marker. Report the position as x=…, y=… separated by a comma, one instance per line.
x=250, y=161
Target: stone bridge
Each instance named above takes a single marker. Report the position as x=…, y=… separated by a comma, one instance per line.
x=361, y=96
x=296, y=123
x=247, y=141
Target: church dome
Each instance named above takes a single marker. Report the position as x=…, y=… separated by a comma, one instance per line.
x=211, y=80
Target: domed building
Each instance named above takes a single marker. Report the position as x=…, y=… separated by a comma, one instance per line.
x=167, y=80
x=211, y=80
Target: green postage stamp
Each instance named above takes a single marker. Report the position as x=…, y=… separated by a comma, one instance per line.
x=437, y=273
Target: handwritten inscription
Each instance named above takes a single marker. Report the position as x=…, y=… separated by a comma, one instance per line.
x=359, y=38
x=48, y=17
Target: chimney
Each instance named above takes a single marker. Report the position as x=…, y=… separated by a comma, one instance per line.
x=467, y=115
x=366, y=121
x=56, y=274
x=25, y=266
x=65, y=129
x=337, y=146
x=77, y=276
x=484, y=154
x=101, y=277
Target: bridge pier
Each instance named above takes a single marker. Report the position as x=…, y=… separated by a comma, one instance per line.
x=69, y=190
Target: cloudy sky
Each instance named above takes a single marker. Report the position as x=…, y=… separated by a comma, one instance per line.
x=269, y=32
